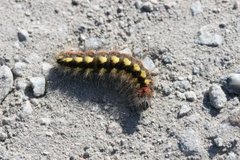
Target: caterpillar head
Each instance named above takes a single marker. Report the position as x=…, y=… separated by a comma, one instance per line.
x=145, y=94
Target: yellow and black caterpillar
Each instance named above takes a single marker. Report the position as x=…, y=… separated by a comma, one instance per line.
x=115, y=64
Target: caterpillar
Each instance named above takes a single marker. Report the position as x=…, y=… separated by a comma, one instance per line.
x=116, y=65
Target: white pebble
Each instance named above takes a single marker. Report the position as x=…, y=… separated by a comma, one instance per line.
x=217, y=97
x=196, y=8
x=93, y=43
x=205, y=37
x=126, y=51
x=3, y=136
x=6, y=81
x=184, y=110
x=21, y=84
x=19, y=68
x=114, y=128
x=46, y=67
x=232, y=83
x=45, y=121
x=27, y=108
x=38, y=84
x=190, y=96
x=148, y=64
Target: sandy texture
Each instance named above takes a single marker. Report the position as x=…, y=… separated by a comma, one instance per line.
x=193, y=44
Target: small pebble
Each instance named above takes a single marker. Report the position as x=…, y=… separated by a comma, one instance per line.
x=182, y=85
x=126, y=51
x=93, y=44
x=138, y=52
x=45, y=121
x=234, y=118
x=23, y=35
x=19, y=68
x=8, y=120
x=205, y=37
x=190, y=145
x=46, y=67
x=218, y=142
x=236, y=4
x=6, y=81
x=148, y=64
x=190, y=96
x=138, y=4
x=75, y=2
x=38, y=84
x=21, y=84
x=166, y=90
x=195, y=70
x=232, y=83
x=184, y=110
x=3, y=136
x=27, y=108
x=169, y=4
x=167, y=59
x=217, y=97
x=196, y=8
x=114, y=128
x=147, y=7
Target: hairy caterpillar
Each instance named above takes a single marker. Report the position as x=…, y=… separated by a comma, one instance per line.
x=116, y=65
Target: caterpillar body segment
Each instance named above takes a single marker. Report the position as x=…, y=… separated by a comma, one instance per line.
x=128, y=69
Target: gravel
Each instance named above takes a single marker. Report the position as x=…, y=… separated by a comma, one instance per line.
x=232, y=83
x=114, y=128
x=217, y=97
x=93, y=43
x=38, y=85
x=45, y=121
x=190, y=145
x=190, y=96
x=27, y=108
x=91, y=120
x=19, y=68
x=182, y=85
x=46, y=67
x=205, y=37
x=21, y=84
x=196, y=8
x=3, y=135
x=234, y=117
x=22, y=35
x=6, y=82
x=184, y=110
x=148, y=64
x=126, y=51
x=147, y=7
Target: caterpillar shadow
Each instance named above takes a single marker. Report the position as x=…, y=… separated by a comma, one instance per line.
x=99, y=91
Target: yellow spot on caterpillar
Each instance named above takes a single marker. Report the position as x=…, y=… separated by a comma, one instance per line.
x=115, y=59
x=147, y=81
x=88, y=59
x=136, y=67
x=102, y=71
x=88, y=71
x=126, y=62
x=68, y=59
x=78, y=59
x=143, y=74
x=102, y=59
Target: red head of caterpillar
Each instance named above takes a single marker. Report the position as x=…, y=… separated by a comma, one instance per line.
x=116, y=65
